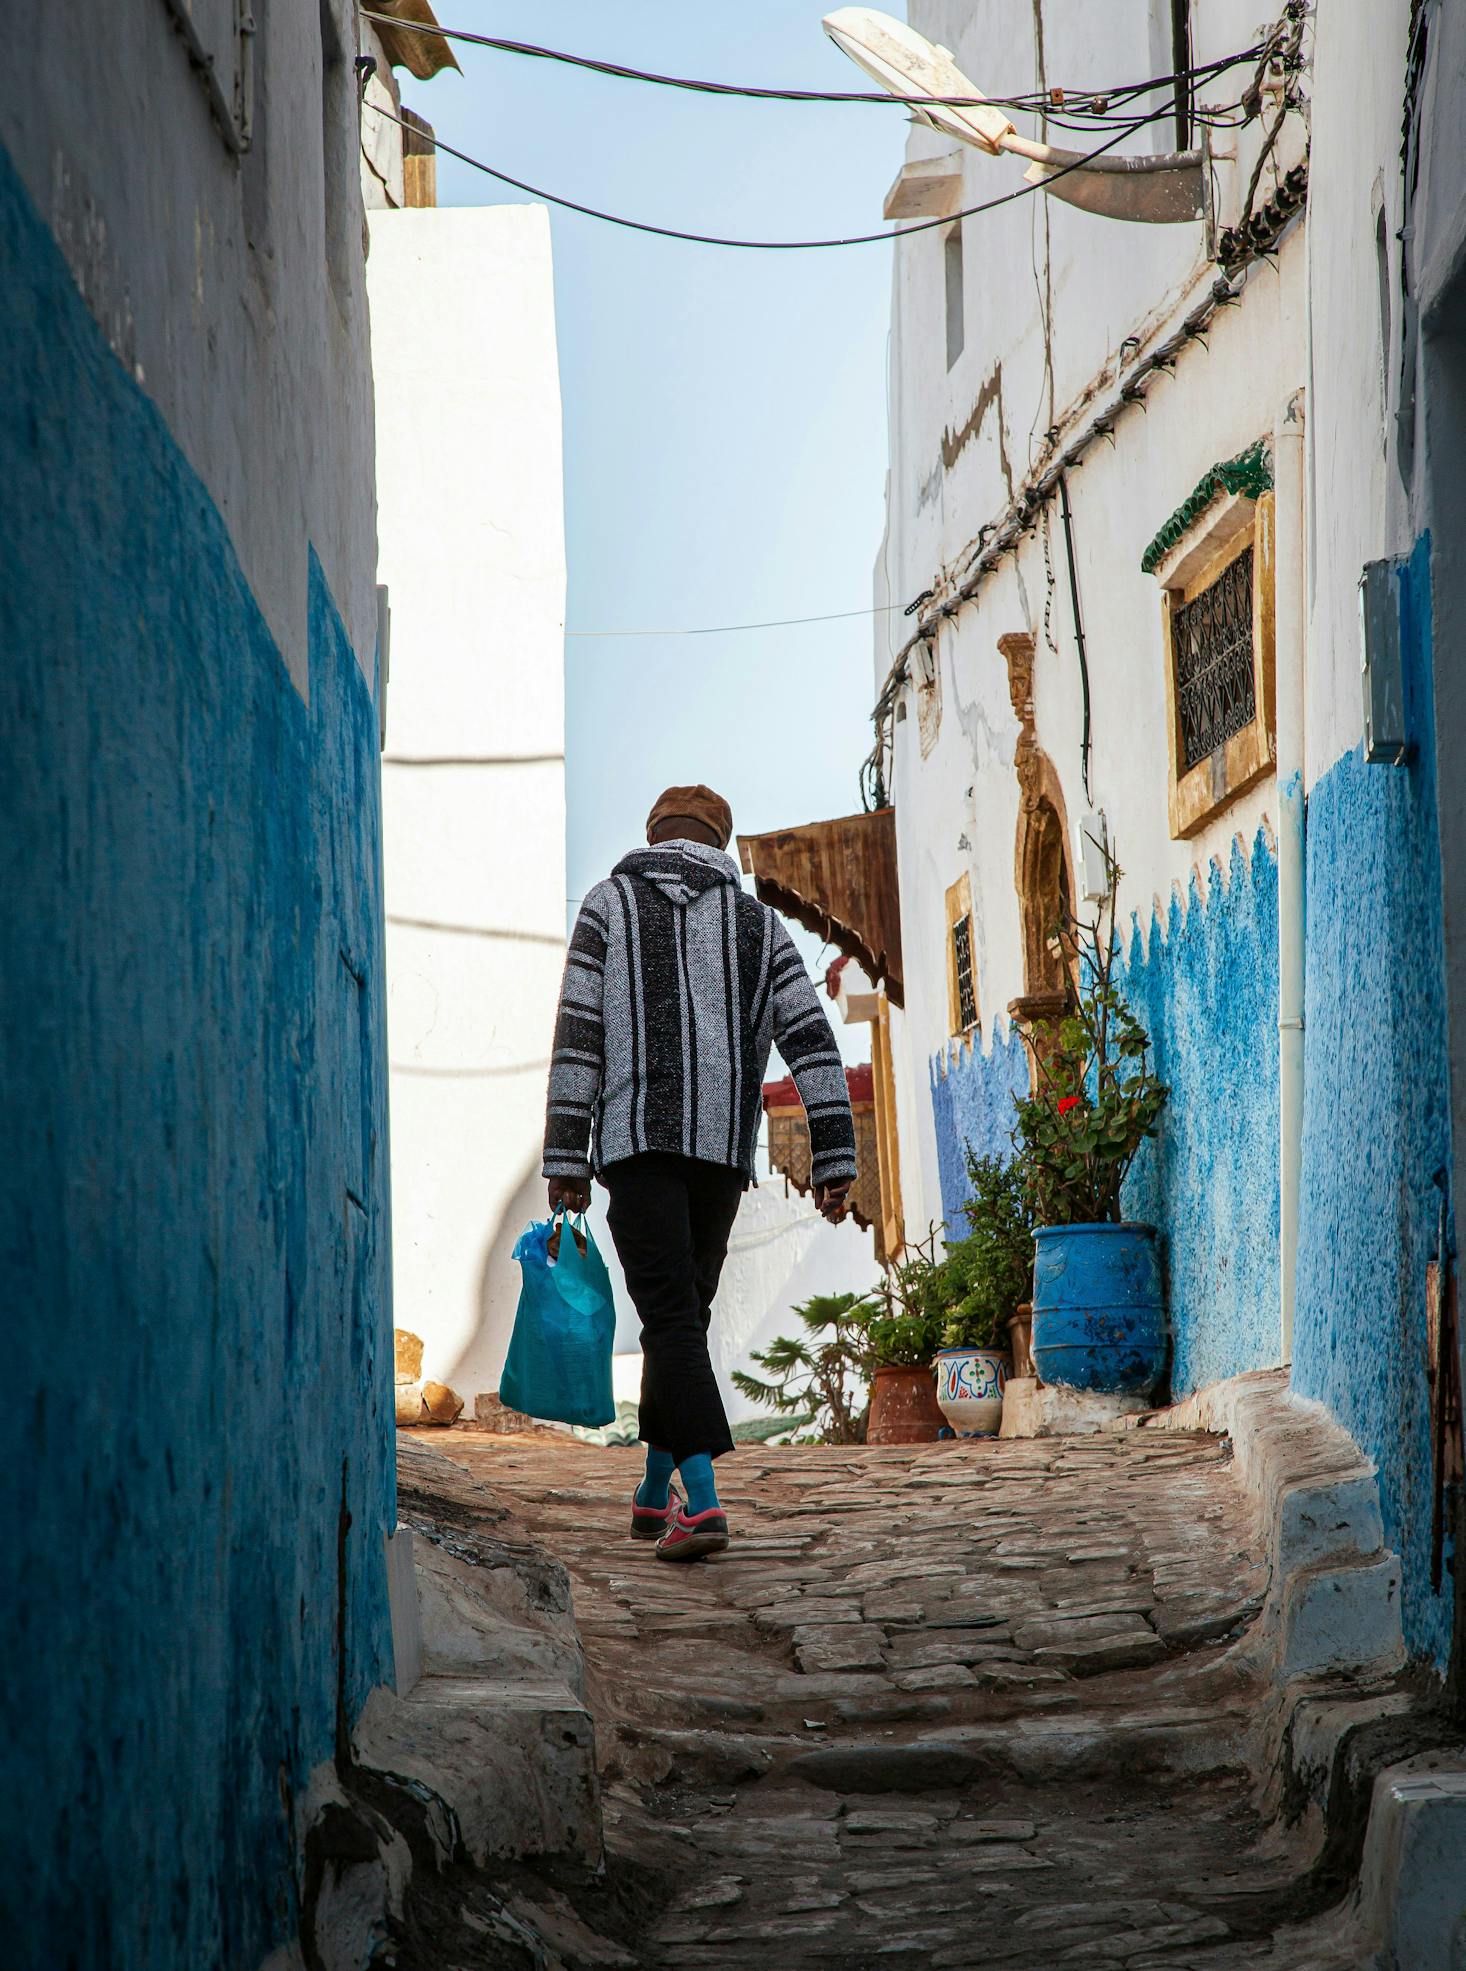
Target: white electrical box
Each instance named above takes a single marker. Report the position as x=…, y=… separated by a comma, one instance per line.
x=1090, y=843
x=1385, y=737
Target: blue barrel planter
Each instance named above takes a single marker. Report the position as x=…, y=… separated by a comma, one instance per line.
x=1099, y=1316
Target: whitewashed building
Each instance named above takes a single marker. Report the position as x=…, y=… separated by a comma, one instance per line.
x=1137, y=473
x=472, y=559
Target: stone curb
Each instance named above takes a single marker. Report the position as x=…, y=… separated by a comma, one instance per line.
x=1333, y=1604
x=1330, y=1639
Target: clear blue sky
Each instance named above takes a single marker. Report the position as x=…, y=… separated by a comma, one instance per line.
x=725, y=442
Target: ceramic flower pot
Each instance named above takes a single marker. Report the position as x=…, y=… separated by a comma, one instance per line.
x=1099, y=1316
x=903, y=1408
x=970, y=1389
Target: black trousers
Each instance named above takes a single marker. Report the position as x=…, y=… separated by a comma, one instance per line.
x=671, y=1217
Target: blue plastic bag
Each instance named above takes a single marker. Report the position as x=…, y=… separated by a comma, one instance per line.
x=559, y=1361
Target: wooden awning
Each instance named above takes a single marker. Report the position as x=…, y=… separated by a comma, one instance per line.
x=411, y=40
x=837, y=879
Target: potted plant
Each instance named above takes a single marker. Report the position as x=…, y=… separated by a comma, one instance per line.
x=985, y=1279
x=904, y=1331
x=813, y=1373
x=1098, y=1309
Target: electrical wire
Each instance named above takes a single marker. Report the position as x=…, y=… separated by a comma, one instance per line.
x=1124, y=93
x=728, y=629
x=773, y=246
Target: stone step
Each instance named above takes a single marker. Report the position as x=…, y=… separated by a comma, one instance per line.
x=1341, y=1619
x=514, y=1761
x=1412, y=1890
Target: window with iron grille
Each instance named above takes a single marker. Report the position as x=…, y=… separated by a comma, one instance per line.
x=962, y=957
x=1211, y=648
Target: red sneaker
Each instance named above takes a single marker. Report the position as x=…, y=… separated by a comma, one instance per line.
x=651, y=1522
x=690, y=1536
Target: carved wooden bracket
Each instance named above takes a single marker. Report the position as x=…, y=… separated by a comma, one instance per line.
x=1017, y=647
x=1036, y=1016
x=1041, y=861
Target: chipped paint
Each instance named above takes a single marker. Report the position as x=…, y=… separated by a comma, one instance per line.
x=194, y=1055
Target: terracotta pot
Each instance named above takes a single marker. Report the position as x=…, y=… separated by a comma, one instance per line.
x=903, y=1408
x=1020, y=1339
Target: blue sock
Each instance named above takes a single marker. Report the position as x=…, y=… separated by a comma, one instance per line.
x=697, y=1476
x=652, y=1490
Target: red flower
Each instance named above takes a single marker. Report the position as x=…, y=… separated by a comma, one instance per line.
x=1068, y=1102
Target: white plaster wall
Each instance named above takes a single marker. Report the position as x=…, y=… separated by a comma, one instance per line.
x=472, y=551
x=1098, y=281
x=232, y=288
x=781, y=1253
x=1354, y=493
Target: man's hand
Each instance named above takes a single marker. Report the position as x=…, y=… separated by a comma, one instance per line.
x=832, y=1200
x=569, y=1194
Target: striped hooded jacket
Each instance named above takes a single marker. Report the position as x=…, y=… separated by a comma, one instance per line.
x=676, y=985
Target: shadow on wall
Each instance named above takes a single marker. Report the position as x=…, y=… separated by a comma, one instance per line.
x=481, y=1359
x=1378, y=1083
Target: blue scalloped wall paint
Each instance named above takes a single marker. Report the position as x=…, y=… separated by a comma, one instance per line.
x=1205, y=986
x=1376, y=1125
x=972, y=1103
x=1206, y=989
x=193, y=1230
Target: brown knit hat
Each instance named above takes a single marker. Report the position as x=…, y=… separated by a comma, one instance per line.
x=693, y=804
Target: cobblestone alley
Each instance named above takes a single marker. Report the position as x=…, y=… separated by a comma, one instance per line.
x=954, y=1705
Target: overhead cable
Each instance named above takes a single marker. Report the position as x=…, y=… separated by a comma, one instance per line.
x=729, y=629
x=773, y=246
x=1045, y=100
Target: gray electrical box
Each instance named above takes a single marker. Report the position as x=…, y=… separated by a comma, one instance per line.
x=1385, y=738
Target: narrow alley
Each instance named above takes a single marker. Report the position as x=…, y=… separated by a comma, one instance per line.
x=858, y=1739
x=733, y=985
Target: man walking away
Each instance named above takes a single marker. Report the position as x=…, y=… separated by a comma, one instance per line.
x=676, y=986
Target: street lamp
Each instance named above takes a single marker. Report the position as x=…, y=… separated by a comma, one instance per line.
x=1163, y=190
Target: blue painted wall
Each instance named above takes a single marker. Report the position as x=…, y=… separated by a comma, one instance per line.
x=1206, y=989
x=972, y=1103
x=1376, y=1114
x=193, y=1232
x=1206, y=986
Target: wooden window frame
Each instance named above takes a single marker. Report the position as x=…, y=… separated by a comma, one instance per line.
x=891, y=1233
x=958, y=906
x=1226, y=532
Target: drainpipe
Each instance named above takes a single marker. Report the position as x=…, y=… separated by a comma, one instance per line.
x=1290, y=607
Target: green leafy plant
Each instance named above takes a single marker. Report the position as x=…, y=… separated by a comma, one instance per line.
x=906, y=1330
x=1095, y=1097
x=812, y=1372
x=988, y=1274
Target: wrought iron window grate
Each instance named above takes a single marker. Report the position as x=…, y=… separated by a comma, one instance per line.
x=1211, y=648
x=962, y=957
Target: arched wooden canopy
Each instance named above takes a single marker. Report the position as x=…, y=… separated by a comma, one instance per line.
x=838, y=879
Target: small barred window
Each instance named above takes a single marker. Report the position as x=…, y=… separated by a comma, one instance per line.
x=962, y=960
x=1211, y=646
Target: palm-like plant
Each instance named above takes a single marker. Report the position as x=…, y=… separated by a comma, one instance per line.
x=814, y=1370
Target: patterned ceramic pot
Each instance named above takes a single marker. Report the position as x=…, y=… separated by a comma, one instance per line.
x=970, y=1389
x=903, y=1408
